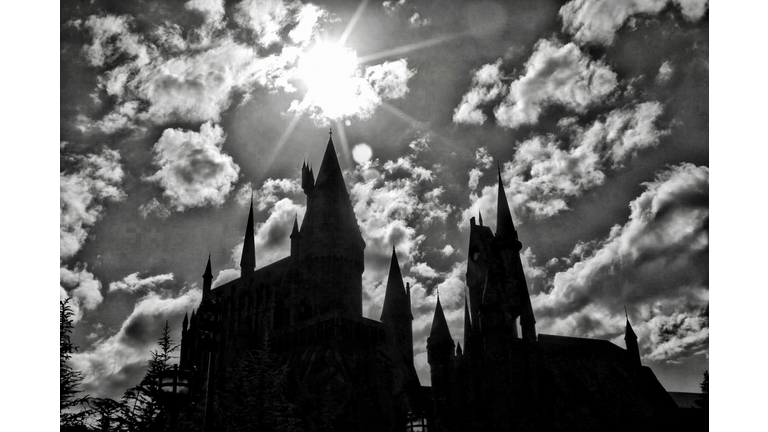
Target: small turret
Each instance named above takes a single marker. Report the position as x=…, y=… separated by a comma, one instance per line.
x=307, y=178
x=440, y=346
x=248, y=259
x=207, y=279
x=396, y=312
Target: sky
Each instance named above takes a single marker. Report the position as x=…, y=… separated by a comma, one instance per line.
x=596, y=115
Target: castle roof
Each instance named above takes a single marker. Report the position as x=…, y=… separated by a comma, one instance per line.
x=395, y=300
x=440, y=333
x=504, y=225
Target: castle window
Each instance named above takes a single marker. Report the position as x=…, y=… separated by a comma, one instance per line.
x=416, y=422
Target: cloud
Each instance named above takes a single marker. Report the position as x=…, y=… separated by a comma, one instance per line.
x=82, y=286
x=120, y=361
x=193, y=170
x=212, y=10
x=272, y=189
x=486, y=87
x=596, y=22
x=96, y=179
x=133, y=283
x=269, y=18
x=172, y=75
x=554, y=74
x=665, y=72
x=656, y=264
x=347, y=90
x=271, y=237
x=153, y=207
x=545, y=174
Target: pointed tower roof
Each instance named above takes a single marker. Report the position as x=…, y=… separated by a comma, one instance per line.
x=504, y=225
x=295, y=230
x=208, y=273
x=330, y=170
x=440, y=333
x=628, y=332
x=248, y=259
x=185, y=323
x=396, y=301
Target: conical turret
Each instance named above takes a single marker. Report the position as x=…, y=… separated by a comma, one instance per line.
x=396, y=301
x=440, y=346
x=505, y=228
x=630, y=340
x=295, y=237
x=207, y=278
x=248, y=259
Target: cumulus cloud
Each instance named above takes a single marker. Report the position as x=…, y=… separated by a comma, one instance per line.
x=486, y=87
x=95, y=180
x=656, y=264
x=271, y=237
x=193, y=170
x=596, y=22
x=272, y=189
x=545, y=173
x=119, y=361
x=133, y=283
x=165, y=76
x=554, y=74
x=82, y=286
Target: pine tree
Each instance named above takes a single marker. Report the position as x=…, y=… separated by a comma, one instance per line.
x=69, y=379
x=144, y=411
x=703, y=401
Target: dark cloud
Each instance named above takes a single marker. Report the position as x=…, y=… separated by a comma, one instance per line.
x=193, y=170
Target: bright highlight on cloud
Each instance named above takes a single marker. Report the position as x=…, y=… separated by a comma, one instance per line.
x=338, y=87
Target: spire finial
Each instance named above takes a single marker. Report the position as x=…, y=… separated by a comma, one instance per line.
x=330, y=132
x=625, y=313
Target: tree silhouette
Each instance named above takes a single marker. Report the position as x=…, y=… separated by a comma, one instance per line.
x=143, y=409
x=703, y=401
x=69, y=379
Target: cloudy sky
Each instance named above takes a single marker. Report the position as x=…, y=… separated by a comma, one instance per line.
x=597, y=113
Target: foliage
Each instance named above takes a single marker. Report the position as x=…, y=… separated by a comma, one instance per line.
x=703, y=401
x=69, y=379
x=143, y=408
x=256, y=396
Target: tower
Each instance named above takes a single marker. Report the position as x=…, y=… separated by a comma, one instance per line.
x=396, y=312
x=207, y=279
x=330, y=239
x=495, y=277
x=441, y=356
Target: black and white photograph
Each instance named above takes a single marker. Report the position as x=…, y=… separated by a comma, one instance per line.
x=406, y=215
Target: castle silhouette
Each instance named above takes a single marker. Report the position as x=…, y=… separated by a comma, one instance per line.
x=309, y=306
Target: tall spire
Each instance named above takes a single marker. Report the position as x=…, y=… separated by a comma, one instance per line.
x=504, y=224
x=396, y=302
x=330, y=170
x=248, y=259
x=207, y=278
x=630, y=340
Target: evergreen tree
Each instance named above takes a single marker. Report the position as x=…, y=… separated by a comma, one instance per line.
x=69, y=379
x=703, y=401
x=143, y=409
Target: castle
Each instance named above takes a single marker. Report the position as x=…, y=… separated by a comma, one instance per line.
x=348, y=372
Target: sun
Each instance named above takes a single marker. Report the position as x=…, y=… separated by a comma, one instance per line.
x=334, y=81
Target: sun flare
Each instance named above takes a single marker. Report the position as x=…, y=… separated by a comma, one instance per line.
x=335, y=85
